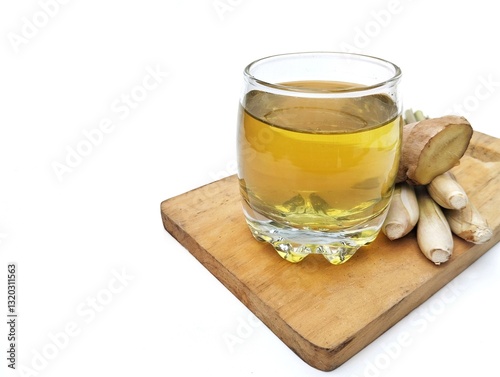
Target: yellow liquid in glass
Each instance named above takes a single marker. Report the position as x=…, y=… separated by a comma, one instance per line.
x=322, y=164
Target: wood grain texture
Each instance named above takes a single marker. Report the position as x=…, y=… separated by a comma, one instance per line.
x=326, y=313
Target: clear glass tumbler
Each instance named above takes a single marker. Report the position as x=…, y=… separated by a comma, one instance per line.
x=319, y=139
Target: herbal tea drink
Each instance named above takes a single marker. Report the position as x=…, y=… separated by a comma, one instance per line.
x=317, y=158
x=311, y=164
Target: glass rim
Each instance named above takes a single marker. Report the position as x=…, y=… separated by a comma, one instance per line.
x=395, y=77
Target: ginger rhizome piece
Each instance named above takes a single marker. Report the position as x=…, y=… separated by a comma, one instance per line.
x=432, y=147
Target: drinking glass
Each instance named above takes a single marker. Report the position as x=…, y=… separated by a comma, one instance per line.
x=318, y=146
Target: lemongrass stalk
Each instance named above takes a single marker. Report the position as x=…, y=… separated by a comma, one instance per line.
x=468, y=224
x=447, y=192
x=403, y=212
x=434, y=236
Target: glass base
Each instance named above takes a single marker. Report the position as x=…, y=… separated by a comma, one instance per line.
x=294, y=244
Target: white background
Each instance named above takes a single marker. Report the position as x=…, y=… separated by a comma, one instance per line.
x=71, y=234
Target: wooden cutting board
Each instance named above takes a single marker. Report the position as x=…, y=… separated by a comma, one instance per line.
x=327, y=313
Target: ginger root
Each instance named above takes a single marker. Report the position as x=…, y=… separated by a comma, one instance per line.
x=427, y=195
x=432, y=147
